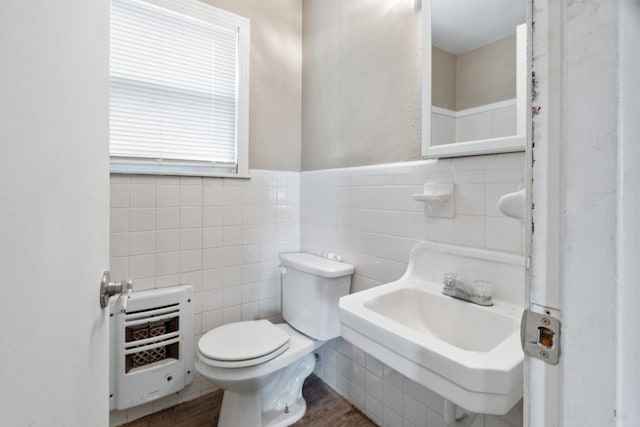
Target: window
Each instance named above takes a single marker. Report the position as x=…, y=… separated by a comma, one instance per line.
x=179, y=88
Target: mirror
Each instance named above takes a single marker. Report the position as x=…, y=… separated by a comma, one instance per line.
x=474, y=79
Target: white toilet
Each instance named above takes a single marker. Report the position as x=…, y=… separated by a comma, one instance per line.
x=261, y=366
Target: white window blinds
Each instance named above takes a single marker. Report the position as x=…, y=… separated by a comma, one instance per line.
x=176, y=85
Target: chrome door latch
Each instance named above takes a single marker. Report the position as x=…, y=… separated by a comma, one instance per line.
x=540, y=335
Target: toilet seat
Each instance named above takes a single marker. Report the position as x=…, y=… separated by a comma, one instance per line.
x=243, y=344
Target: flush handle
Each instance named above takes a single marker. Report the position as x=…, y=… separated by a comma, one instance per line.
x=109, y=289
x=540, y=336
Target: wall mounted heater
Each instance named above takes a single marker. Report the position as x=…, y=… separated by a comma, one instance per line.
x=151, y=346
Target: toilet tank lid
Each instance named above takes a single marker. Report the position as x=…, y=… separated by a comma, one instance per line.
x=317, y=265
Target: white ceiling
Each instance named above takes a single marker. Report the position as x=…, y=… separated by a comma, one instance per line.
x=462, y=25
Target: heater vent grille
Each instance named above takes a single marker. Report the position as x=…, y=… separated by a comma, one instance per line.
x=152, y=342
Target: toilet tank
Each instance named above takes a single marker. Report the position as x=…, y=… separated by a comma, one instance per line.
x=311, y=287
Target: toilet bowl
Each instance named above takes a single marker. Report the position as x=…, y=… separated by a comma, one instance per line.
x=262, y=366
x=272, y=389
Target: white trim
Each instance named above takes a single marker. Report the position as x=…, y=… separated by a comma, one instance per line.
x=628, y=247
x=470, y=148
x=139, y=169
x=475, y=110
x=541, y=381
x=355, y=170
x=444, y=112
x=574, y=193
x=426, y=76
x=505, y=144
x=243, y=98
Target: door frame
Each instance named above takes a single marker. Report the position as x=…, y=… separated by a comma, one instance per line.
x=573, y=216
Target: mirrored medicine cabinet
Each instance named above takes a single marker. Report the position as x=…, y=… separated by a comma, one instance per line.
x=474, y=77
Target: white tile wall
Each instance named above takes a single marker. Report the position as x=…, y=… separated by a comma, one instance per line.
x=222, y=236
x=367, y=215
x=387, y=397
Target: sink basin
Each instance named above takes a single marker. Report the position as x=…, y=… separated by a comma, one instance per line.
x=483, y=328
x=467, y=353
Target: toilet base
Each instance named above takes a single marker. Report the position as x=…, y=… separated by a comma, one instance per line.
x=278, y=404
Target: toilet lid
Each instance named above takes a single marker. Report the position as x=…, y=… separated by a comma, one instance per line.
x=242, y=344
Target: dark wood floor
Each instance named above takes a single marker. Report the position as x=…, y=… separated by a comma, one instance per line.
x=325, y=407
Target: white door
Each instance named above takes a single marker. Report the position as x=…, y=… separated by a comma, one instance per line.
x=53, y=212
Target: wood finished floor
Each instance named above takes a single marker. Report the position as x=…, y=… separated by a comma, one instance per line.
x=325, y=407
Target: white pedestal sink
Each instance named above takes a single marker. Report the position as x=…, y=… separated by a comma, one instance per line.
x=467, y=353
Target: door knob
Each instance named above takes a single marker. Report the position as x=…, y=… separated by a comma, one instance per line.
x=109, y=289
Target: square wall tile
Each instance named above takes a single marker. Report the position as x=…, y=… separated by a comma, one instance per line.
x=190, y=217
x=469, y=231
x=143, y=195
x=212, y=237
x=393, y=398
x=212, y=194
x=510, y=160
x=414, y=411
x=167, y=218
x=440, y=229
x=119, y=195
x=190, y=260
x=504, y=234
x=167, y=263
x=142, y=242
x=191, y=238
x=167, y=241
x=391, y=418
x=118, y=244
x=168, y=195
x=232, y=196
x=142, y=266
x=213, y=216
x=469, y=199
x=374, y=386
x=232, y=314
x=119, y=220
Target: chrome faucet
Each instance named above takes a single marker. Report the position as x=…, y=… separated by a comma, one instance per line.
x=478, y=293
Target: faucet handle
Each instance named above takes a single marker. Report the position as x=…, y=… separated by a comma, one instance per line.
x=480, y=293
x=482, y=288
x=450, y=280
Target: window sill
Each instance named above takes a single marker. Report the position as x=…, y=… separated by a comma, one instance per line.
x=132, y=169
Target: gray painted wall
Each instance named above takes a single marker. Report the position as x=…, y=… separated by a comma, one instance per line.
x=276, y=79
x=487, y=74
x=344, y=88
x=478, y=77
x=361, y=100
x=443, y=78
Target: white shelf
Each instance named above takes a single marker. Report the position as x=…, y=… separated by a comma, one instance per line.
x=438, y=199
